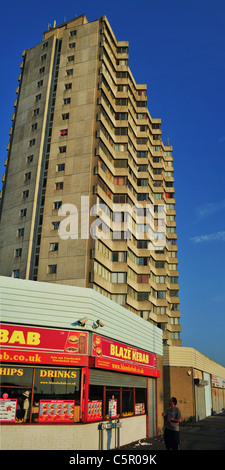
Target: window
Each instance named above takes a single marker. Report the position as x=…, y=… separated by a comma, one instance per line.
x=23, y=212
x=25, y=194
x=36, y=112
x=44, y=388
x=174, y=335
x=142, y=182
x=118, y=278
x=161, y=294
x=70, y=58
x=141, y=116
x=174, y=307
x=142, y=244
x=118, y=256
x=30, y=158
x=121, y=131
x=122, y=50
x=143, y=278
x=62, y=149
x=142, y=168
x=142, y=154
x=61, y=167
x=34, y=126
x=121, y=116
x=68, y=86
x=119, y=298
x=121, y=74
x=160, y=279
x=64, y=132
x=54, y=247
x=173, y=280
x=142, y=197
x=38, y=97
x=32, y=142
x=65, y=116
x=18, y=252
x=55, y=225
x=45, y=45
x=142, y=296
x=173, y=321
x=66, y=100
x=73, y=33
x=52, y=268
x=120, y=180
x=119, y=198
x=41, y=70
x=163, y=326
x=129, y=401
x=160, y=264
x=57, y=205
x=27, y=176
x=59, y=185
x=20, y=232
x=69, y=72
x=121, y=101
x=72, y=45
x=43, y=57
x=16, y=273
x=173, y=293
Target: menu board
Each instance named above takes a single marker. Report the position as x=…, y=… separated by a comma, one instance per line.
x=56, y=411
x=94, y=410
x=112, y=408
x=8, y=410
x=139, y=408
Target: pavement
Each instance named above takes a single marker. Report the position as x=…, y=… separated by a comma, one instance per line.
x=207, y=434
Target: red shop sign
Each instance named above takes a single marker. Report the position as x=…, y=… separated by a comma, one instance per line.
x=43, y=345
x=120, y=357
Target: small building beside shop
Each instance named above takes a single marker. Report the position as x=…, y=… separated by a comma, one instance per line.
x=77, y=370
x=195, y=380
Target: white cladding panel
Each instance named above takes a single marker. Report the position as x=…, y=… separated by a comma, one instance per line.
x=61, y=306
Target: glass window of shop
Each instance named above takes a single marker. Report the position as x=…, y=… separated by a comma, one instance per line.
x=42, y=394
x=129, y=401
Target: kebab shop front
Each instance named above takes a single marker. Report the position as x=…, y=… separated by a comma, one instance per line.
x=52, y=376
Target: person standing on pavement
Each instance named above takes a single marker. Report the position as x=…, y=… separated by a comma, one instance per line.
x=172, y=420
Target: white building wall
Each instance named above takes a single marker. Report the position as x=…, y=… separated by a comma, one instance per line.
x=80, y=437
x=61, y=306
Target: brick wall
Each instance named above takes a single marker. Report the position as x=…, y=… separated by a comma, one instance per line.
x=178, y=382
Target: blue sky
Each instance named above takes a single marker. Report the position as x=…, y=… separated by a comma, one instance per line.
x=176, y=47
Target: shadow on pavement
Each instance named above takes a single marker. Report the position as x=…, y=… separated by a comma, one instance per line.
x=207, y=434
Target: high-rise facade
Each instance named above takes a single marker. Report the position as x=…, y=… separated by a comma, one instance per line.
x=88, y=190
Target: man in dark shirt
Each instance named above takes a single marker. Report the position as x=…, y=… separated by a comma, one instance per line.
x=172, y=419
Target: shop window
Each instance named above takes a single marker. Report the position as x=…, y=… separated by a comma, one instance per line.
x=116, y=402
x=127, y=402
x=16, y=387
x=54, y=397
